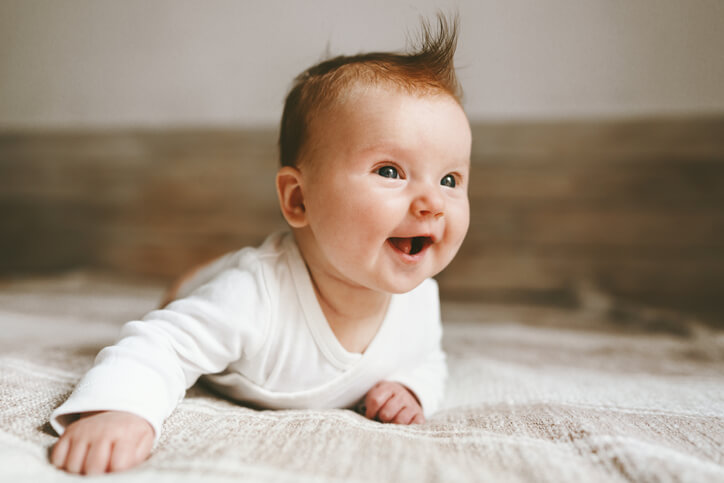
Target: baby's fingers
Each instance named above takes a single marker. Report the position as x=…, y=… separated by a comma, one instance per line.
x=122, y=456
x=375, y=400
x=96, y=462
x=391, y=409
x=418, y=419
x=59, y=452
x=406, y=415
x=143, y=449
x=127, y=454
x=76, y=456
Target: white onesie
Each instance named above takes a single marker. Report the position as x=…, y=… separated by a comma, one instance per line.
x=251, y=323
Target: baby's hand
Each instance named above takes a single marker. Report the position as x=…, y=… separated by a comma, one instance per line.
x=103, y=442
x=391, y=402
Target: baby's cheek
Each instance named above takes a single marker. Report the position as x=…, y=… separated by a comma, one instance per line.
x=460, y=222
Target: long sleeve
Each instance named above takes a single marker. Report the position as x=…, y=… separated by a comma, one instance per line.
x=425, y=374
x=157, y=358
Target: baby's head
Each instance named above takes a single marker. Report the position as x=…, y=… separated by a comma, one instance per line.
x=375, y=154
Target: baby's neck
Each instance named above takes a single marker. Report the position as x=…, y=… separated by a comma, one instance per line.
x=354, y=314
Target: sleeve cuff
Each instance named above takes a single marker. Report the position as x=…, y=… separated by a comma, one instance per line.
x=138, y=391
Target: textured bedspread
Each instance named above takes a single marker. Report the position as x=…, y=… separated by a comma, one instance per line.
x=533, y=395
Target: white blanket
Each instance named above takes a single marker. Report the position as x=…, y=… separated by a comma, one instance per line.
x=534, y=395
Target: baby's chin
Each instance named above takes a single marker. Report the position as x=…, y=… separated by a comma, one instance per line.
x=406, y=283
x=403, y=286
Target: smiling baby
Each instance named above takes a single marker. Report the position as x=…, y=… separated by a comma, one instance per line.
x=338, y=312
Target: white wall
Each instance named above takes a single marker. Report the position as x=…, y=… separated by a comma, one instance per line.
x=175, y=62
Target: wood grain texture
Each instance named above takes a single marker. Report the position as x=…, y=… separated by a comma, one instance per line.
x=633, y=208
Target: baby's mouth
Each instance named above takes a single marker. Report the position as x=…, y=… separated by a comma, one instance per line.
x=411, y=245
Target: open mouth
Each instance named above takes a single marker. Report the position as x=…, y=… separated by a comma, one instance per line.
x=411, y=245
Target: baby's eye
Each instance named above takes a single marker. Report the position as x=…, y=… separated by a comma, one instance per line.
x=448, y=180
x=388, y=172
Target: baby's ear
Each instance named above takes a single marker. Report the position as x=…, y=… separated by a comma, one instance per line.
x=291, y=198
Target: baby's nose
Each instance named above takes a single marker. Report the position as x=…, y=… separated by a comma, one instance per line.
x=428, y=205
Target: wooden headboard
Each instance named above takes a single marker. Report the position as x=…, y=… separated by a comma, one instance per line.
x=634, y=208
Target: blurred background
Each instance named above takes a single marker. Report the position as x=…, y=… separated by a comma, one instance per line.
x=138, y=138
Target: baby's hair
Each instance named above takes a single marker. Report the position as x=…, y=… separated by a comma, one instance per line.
x=427, y=69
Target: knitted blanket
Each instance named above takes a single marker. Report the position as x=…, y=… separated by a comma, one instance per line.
x=534, y=394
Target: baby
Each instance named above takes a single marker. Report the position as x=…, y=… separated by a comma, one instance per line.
x=340, y=311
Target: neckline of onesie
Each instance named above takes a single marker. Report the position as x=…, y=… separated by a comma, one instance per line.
x=323, y=335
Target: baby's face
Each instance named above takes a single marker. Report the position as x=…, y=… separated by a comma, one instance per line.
x=385, y=187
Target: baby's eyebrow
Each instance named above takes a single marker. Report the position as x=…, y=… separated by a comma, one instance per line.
x=387, y=147
x=396, y=151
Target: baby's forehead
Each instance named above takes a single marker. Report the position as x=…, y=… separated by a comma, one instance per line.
x=361, y=97
x=374, y=120
x=374, y=113
x=361, y=92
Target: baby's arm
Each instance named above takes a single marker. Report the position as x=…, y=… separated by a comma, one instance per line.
x=173, y=291
x=103, y=441
x=391, y=402
x=414, y=390
x=147, y=372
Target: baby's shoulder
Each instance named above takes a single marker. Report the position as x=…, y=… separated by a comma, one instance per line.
x=248, y=263
x=275, y=246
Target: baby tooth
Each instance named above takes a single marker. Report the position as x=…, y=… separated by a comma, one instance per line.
x=405, y=245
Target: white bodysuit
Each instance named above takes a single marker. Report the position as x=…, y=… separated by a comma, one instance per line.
x=251, y=323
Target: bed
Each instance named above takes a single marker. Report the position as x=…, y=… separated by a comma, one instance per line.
x=595, y=393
